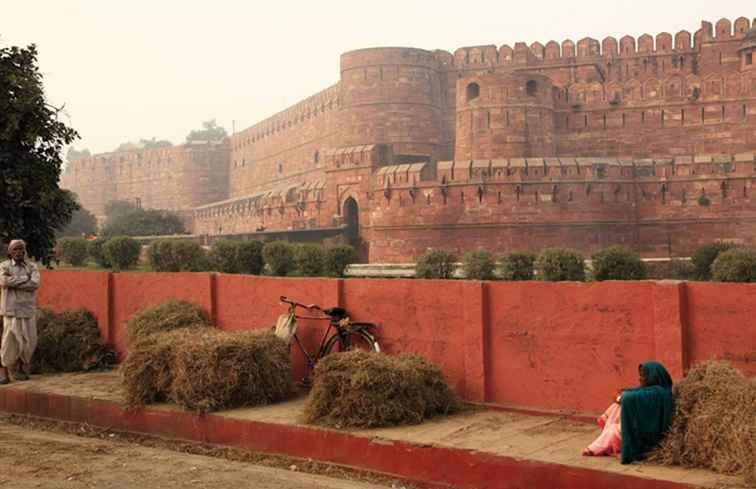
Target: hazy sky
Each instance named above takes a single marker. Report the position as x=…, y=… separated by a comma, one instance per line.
x=134, y=69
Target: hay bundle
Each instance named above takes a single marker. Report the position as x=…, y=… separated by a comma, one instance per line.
x=165, y=317
x=714, y=424
x=218, y=370
x=206, y=370
x=364, y=390
x=67, y=341
x=146, y=373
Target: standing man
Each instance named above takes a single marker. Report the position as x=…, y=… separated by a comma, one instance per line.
x=19, y=281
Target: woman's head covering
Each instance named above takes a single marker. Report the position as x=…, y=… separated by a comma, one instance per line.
x=656, y=374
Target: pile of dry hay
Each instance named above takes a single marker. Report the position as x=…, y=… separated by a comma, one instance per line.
x=165, y=317
x=714, y=424
x=67, y=342
x=200, y=367
x=362, y=390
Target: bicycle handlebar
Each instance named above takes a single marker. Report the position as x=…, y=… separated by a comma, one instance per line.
x=286, y=300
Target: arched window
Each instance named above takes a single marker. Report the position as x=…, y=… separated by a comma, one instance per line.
x=473, y=91
x=316, y=156
x=531, y=88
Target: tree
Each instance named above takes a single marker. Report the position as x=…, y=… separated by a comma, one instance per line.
x=143, y=222
x=82, y=222
x=117, y=208
x=210, y=132
x=32, y=205
x=155, y=144
x=73, y=154
x=145, y=144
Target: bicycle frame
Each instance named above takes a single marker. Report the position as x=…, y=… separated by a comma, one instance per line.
x=336, y=318
x=311, y=359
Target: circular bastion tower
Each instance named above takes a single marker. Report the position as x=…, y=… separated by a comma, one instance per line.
x=504, y=116
x=391, y=96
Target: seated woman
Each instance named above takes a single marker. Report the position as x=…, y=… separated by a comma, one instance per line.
x=638, y=419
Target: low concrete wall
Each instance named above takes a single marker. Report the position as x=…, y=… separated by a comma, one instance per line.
x=537, y=344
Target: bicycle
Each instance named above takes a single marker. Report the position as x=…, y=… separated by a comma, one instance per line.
x=342, y=332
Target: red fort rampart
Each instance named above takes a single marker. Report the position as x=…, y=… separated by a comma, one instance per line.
x=649, y=143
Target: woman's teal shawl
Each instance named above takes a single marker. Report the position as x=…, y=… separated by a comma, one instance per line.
x=646, y=412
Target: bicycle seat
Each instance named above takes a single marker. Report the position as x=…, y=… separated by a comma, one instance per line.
x=336, y=312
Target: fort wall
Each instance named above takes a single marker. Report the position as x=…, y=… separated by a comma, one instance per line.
x=573, y=144
x=286, y=147
x=176, y=178
x=660, y=207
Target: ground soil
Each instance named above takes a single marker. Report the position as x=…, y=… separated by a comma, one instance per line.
x=43, y=454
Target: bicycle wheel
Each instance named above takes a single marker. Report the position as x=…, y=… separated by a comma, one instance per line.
x=355, y=340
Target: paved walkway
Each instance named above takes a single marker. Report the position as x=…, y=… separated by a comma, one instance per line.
x=519, y=436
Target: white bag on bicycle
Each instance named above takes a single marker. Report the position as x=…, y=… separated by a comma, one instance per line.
x=286, y=326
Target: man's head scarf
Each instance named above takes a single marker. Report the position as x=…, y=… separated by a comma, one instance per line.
x=16, y=243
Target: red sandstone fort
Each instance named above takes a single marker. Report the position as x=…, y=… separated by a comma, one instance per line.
x=650, y=143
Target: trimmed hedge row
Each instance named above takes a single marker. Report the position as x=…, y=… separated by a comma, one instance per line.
x=717, y=261
x=552, y=264
x=306, y=260
x=118, y=253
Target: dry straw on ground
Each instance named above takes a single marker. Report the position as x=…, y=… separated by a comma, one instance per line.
x=166, y=317
x=714, y=424
x=204, y=369
x=146, y=373
x=67, y=341
x=363, y=390
x=217, y=370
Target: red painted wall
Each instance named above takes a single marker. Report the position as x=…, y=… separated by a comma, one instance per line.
x=418, y=316
x=134, y=291
x=722, y=324
x=62, y=291
x=536, y=344
x=249, y=302
x=567, y=344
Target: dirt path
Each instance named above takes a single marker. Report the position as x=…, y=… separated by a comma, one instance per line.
x=37, y=459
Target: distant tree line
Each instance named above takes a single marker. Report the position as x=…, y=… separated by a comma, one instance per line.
x=126, y=219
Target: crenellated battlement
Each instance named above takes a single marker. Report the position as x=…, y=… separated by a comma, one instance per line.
x=568, y=52
x=312, y=107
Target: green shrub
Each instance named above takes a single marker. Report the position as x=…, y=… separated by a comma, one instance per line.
x=558, y=264
x=159, y=255
x=703, y=200
x=735, y=265
x=435, y=264
x=338, y=258
x=618, y=263
x=279, y=257
x=250, y=257
x=224, y=256
x=310, y=260
x=122, y=252
x=96, y=252
x=168, y=255
x=73, y=251
x=704, y=256
x=479, y=265
x=518, y=266
x=188, y=256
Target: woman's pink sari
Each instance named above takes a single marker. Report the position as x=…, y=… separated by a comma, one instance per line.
x=609, y=442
